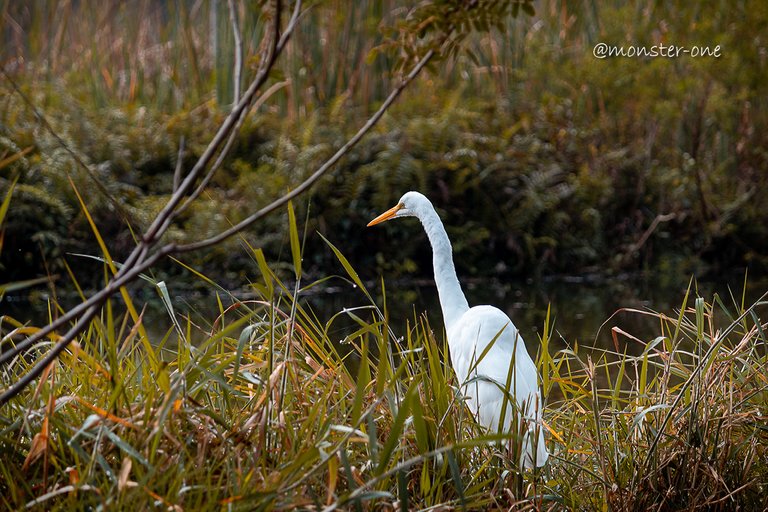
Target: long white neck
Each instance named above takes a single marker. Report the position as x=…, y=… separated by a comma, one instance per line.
x=452, y=299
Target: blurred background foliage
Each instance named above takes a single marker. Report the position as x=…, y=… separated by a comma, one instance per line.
x=541, y=158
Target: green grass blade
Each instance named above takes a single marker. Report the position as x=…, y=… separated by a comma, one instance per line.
x=294, y=236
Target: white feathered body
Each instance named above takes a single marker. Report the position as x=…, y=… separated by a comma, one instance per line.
x=483, y=377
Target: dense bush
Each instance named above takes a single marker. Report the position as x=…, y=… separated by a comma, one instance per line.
x=540, y=158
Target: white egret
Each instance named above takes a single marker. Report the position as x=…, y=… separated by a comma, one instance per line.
x=483, y=375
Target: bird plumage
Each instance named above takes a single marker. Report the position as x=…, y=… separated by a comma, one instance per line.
x=500, y=380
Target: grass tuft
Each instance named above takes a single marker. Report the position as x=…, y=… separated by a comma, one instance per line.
x=270, y=410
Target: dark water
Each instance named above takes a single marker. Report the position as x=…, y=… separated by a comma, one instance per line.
x=582, y=310
x=578, y=307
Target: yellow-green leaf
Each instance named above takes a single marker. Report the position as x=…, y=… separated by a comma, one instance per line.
x=295, y=245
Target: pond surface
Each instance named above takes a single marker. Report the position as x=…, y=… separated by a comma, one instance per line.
x=582, y=310
x=578, y=306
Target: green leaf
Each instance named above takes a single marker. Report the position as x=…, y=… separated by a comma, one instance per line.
x=7, y=200
x=165, y=297
x=402, y=490
x=395, y=432
x=245, y=337
x=420, y=426
x=363, y=378
x=295, y=245
x=265, y=272
x=456, y=476
x=19, y=285
x=126, y=447
x=344, y=263
x=638, y=418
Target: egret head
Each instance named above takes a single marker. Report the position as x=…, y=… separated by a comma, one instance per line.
x=412, y=204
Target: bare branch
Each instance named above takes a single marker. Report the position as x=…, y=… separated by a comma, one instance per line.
x=140, y=258
x=291, y=24
x=51, y=356
x=318, y=173
x=136, y=260
x=162, y=221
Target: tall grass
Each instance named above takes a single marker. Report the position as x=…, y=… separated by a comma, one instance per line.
x=169, y=55
x=271, y=409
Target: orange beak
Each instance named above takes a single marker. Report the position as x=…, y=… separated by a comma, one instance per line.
x=389, y=214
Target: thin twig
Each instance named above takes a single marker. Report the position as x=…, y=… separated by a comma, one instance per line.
x=647, y=234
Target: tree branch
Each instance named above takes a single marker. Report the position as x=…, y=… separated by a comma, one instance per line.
x=306, y=184
x=140, y=259
x=163, y=219
x=243, y=114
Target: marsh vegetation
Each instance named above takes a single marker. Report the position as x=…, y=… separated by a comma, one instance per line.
x=544, y=163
